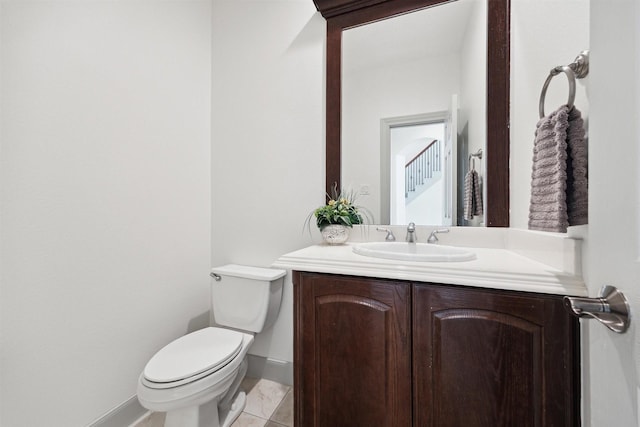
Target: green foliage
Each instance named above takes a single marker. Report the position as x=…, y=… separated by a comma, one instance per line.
x=340, y=209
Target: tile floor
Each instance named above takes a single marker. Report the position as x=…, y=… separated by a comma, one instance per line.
x=269, y=404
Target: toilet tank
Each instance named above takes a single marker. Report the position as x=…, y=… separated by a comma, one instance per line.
x=244, y=297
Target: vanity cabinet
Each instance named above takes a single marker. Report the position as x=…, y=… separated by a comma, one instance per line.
x=382, y=352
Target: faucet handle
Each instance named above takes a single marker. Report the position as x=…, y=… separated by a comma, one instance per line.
x=433, y=238
x=390, y=237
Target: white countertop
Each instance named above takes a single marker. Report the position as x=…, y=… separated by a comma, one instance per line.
x=503, y=266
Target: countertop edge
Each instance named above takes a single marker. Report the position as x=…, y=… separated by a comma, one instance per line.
x=547, y=281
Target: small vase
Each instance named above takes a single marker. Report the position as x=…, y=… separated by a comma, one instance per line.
x=335, y=234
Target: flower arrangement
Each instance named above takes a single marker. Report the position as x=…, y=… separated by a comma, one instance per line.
x=340, y=210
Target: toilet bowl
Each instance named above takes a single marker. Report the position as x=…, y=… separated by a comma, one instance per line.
x=196, y=378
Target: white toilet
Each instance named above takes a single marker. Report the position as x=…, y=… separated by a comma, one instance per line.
x=196, y=378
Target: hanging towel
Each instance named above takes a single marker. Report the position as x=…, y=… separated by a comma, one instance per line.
x=559, y=172
x=577, y=170
x=472, y=195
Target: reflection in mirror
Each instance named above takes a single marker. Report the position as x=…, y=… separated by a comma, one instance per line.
x=413, y=109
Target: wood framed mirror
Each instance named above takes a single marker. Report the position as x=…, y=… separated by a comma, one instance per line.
x=345, y=14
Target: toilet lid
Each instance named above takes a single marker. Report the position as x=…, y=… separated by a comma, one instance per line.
x=192, y=354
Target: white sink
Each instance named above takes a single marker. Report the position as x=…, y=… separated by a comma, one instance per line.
x=414, y=252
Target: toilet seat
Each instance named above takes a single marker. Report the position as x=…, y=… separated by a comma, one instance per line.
x=192, y=357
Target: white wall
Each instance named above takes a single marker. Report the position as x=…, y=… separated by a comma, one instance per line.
x=105, y=198
x=544, y=34
x=267, y=138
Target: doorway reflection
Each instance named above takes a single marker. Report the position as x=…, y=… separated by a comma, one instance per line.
x=418, y=174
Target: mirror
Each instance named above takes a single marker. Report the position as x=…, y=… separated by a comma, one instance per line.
x=413, y=112
x=347, y=15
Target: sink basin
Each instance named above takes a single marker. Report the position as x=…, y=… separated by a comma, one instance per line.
x=414, y=252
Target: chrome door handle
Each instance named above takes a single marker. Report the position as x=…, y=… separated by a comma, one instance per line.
x=611, y=308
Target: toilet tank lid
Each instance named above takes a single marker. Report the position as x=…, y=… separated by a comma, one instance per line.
x=245, y=271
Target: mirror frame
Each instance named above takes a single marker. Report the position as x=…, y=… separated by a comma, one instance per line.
x=345, y=14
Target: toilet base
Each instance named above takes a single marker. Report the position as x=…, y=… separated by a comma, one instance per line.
x=231, y=405
x=220, y=412
x=193, y=416
x=235, y=410
x=206, y=415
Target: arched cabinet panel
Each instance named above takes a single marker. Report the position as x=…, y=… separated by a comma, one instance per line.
x=503, y=357
x=352, y=352
x=465, y=341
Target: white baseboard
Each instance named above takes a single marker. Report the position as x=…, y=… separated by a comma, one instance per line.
x=275, y=370
x=121, y=416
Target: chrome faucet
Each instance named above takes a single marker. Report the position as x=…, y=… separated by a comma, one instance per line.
x=390, y=237
x=433, y=238
x=411, y=233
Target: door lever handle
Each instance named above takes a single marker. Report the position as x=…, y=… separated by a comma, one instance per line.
x=611, y=308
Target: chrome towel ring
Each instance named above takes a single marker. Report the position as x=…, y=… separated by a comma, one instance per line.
x=576, y=70
x=572, y=86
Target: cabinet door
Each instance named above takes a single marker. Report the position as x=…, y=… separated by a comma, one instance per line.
x=487, y=358
x=351, y=352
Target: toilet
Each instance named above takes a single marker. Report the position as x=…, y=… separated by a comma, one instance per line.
x=196, y=378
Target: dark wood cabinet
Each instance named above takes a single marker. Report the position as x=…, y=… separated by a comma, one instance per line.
x=377, y=352
x=352, y=352
x=493, y=358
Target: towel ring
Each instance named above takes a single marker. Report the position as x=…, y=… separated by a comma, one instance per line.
x=572, y=86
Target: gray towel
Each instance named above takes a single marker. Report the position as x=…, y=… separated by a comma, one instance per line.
x=559, y=174
x=472, y=195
